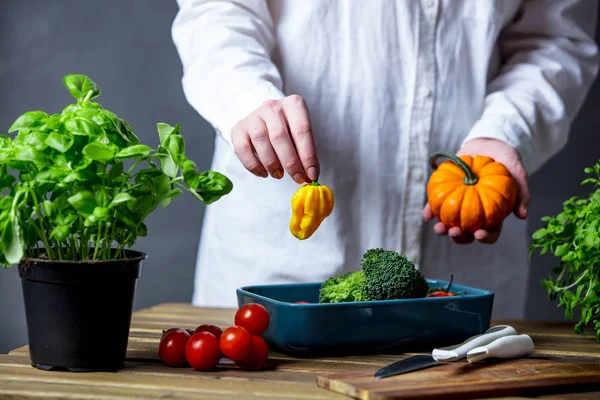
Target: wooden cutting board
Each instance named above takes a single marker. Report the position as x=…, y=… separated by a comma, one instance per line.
x=519, y=377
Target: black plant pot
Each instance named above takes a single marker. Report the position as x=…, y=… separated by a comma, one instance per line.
x=79, y=313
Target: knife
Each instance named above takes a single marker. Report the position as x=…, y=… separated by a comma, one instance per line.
x=477, y=343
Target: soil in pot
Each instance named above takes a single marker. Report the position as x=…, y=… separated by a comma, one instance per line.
x=78, y=313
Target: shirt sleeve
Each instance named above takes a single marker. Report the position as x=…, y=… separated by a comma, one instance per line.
x=550, y=61
x=225, y=49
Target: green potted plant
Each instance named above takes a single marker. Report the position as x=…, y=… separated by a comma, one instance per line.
x=573, y=237
x=76, y=189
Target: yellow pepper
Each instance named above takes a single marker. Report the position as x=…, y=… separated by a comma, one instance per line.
x=311, y=204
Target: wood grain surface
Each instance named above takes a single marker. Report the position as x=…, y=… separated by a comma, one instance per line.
x=144, y=377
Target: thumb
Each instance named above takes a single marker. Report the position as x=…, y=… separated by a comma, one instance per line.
x=523, y=196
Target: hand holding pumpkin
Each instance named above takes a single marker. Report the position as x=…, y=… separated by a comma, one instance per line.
x=471, y=195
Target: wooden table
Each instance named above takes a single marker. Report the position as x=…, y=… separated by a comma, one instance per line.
x=144, y=377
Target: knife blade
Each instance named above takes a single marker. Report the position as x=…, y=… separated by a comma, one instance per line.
x=445, y=354
x=409, y=364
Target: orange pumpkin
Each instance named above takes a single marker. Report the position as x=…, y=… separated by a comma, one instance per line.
x=470, y=192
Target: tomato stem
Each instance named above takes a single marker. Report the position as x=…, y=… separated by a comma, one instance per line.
x=470, y=177
x=315, y=183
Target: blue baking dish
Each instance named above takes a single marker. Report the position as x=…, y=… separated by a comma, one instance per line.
x=367, y=327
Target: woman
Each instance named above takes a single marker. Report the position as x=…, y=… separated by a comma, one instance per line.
x=358, y=94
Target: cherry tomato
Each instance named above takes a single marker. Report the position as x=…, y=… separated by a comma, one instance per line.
x=236, y=343
x=168, y=330
x=171, y=349
x=302, y=302
x=258, y=355
x=190, y=331
x=202, y=351
x=440, y=294
x=254, y=318
x=215, y=330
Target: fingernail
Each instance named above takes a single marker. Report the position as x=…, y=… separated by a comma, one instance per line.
x=299, y=178
x=312, y=173
x=263, y=173
x=277, y=174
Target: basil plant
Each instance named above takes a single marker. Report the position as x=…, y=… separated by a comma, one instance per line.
x=78, y=185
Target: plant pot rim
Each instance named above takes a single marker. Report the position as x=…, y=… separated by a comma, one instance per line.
x=132, y=256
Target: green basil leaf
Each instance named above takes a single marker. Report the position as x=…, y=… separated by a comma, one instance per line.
x=134, y=151
x=164, y=131
x=167, y=163
x=51, y=175
x=36, y=139
x=190, y=174
x=215, y=183
x=121, y=198
x=101, y=213
x=163, y=185
x=169, y=196
x=206, y=198
x=83, y=202
x=60, y=233
x=69, y=219
x=90, y=220
x=80, y=85
x=99, y=151
x=143, y=205
x=12, y=245
x=176, y=147
x=6, y=155
x=115, y=171
x=561, y=250
x=142, y=230
x=102, y=198
x=539, y=234
x=80, y=176
x=49, y=208
x=28, y=153
x=30, y=119
x=53, y=123
x=79, y=162
x=6, y=181
x=60, y=141
x=84, y=127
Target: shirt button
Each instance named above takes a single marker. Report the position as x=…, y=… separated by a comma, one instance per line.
x=428, y=92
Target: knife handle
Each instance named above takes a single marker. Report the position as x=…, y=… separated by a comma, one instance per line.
x=506, y=347
x=459, y=351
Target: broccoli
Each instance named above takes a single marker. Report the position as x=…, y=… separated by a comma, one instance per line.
x=345, y=288
x=390, y=275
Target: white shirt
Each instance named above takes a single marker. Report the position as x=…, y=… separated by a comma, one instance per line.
x=387, y=83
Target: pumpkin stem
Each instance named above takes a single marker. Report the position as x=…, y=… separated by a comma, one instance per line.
x=315, y=183
x=470, y=177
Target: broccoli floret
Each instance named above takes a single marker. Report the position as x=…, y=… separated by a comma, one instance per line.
x=390, y=275
x=344, y=288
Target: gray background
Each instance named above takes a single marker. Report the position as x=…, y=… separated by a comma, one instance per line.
x=126, y=47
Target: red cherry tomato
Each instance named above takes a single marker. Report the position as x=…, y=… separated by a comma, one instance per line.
x=254, y=318
x=258, y=355
x=190, y=331
x=171, y=349
x=202, y=351
x=215, y=330
x=236, y=343
x=440, y=294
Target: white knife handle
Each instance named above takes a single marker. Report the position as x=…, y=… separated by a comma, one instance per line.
x=459, y=351
x=506, y=347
